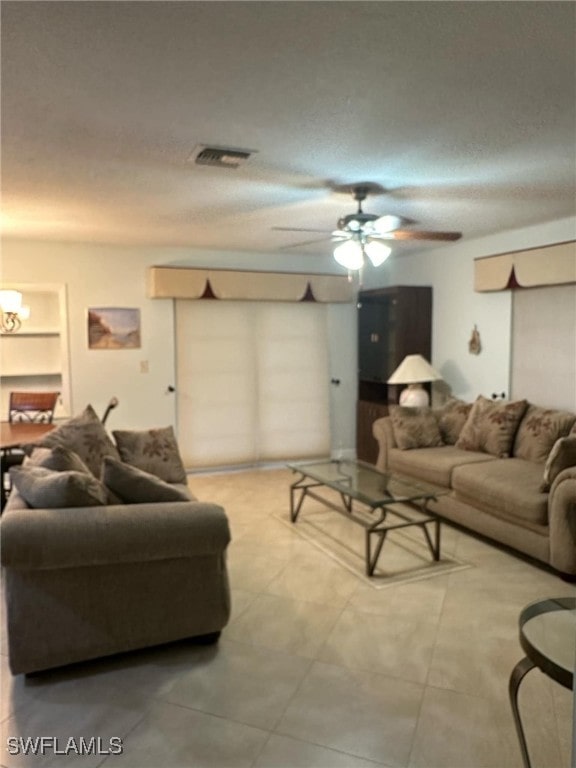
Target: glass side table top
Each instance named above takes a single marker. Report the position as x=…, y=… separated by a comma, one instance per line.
x=548, y=637
x=365, y=483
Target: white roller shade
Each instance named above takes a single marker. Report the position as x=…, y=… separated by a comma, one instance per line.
x=252, y=382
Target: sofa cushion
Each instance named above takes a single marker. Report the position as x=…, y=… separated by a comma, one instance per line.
x=562, y=456
x=491, y=426
x=414, y=427
x=59, y=459
x=451, y=418
x=86, y=436
x=539, y=430
x=153, y=450
x=43, y=488
x=505, y=486
x=134, y=486
x=433, y=465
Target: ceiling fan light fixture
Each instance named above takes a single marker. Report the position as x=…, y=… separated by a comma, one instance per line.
x=387, y=223
x=349, y=255
x=377, y=252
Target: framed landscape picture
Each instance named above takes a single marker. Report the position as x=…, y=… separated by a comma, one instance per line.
x=113, y=328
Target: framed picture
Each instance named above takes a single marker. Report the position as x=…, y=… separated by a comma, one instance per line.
x=113, y=328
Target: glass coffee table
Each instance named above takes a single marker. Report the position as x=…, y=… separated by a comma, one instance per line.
x=394, y=501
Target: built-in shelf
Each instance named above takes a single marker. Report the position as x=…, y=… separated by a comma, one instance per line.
x=28, y=374
x=32, y=332
x=35, y=358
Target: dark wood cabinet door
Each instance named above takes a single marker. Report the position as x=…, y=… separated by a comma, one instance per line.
x=392, y=322
x=366, y=444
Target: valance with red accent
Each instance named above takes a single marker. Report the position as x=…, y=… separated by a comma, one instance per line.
x=546, y=265
x=238, y=285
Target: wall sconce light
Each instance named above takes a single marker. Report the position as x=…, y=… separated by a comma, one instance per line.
x=12, y=311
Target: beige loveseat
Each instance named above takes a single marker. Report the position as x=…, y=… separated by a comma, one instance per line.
x=500, y=494
x=88, y=581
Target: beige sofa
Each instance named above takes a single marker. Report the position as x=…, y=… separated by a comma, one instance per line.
x=87, y=582
x=501, y=498
x=115, y=572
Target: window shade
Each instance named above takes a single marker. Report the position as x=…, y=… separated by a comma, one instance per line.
x=252, y=382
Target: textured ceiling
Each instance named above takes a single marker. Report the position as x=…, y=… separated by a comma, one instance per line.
x=463, y=112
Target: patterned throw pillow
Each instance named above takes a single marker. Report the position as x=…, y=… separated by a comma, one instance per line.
x=539, y=430
x=86, y=436
x=43, y=488
x=58, y=459
x=134, y=486
x=491, y=426
x=451, y=418
x=562, y=456
x=155, y=451
x=414, y=427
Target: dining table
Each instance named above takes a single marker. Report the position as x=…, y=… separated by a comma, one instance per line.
x=13, y=435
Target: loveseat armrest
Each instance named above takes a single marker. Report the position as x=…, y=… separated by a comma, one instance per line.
x=384, y=434
x=85, y=536
x=562, y=522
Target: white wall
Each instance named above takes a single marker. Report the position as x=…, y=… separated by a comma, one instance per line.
x=457, y=308
x=102, y=275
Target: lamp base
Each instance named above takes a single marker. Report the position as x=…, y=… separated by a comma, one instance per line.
x=414, y=396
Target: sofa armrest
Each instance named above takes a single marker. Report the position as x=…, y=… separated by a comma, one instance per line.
x=562, y=521
x=85, y=536
x=384, y=434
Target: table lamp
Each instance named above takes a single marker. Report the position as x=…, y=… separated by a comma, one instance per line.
x=414, y=370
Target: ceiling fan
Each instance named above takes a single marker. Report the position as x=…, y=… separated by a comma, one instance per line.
x=361, y=234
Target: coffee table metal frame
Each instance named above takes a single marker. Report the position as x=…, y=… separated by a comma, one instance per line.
x=418, y=497
x=536, y=657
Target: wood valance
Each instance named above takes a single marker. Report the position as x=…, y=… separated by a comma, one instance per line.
x=239, y=285
x=545, y=265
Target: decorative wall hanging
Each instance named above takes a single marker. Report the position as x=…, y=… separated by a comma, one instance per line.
x=113, y=328
x=475, y=345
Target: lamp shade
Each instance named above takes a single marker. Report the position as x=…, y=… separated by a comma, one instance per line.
x=349, y=254
x=414, y=369
x=10, y=301
x=377, y=252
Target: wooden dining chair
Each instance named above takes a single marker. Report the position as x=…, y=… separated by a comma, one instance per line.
x=33, y=407
x=28, y=407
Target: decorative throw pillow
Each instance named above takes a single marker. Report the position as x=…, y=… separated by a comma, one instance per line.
x=491, y=426
x=58, y=459
x=451, y=418
x=155, y=451
x=539, y=430
x=134, y=486
x=86, y=436
x=414, y=427
x=562, y=456
x=43, y=488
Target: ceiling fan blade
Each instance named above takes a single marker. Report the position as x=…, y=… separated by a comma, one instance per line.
x=306, y=242
x=407, y=234
x=300, y=229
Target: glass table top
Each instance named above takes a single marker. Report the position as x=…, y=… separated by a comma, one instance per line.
x=548, y=636
x=365, y=483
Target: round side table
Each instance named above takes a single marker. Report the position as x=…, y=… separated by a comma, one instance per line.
x=548, y=638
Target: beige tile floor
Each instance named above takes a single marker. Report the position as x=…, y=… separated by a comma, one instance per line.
x=316, y=668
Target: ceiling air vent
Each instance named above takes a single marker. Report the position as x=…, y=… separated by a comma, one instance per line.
x=220, y=157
